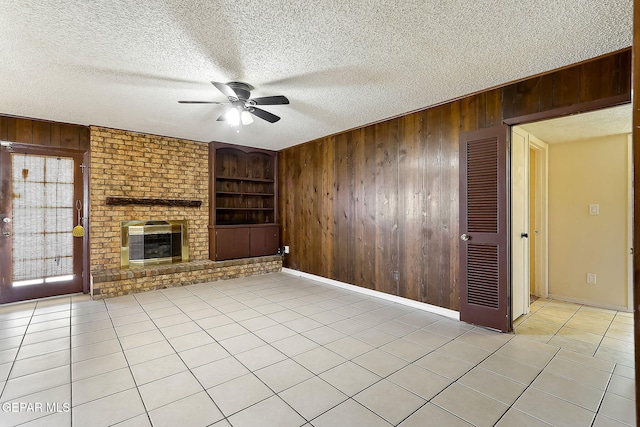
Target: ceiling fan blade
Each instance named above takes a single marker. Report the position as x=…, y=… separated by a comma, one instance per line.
x=271, y=100
x=265, y=115
x=201, y=102
x=225, y=89
x=221, y=118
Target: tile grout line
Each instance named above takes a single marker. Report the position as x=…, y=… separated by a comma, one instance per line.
x=441, y=391
x=277, y=394
x=529, y=386
x=604, y=394
x=314, y=374
x=18, y=352
x=15, y=358
x=70, y=364
x=602, y=336
x=130, y=372
x=225, y=417
x=477, y=391
x=605, y=333
x=176, y=353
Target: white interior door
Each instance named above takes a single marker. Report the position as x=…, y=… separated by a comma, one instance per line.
x=519, y=224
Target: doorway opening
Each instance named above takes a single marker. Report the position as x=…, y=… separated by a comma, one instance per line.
x=571, y=212
x=529, y=217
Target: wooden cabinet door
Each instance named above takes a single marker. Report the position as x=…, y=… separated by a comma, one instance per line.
x=232, y=243
x=265, y=240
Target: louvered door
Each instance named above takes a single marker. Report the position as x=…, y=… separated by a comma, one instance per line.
x=484, y=262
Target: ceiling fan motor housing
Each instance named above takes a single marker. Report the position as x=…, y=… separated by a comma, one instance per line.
x=243, y=90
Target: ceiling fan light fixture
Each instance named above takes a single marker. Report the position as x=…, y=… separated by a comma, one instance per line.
x=246, y=118
x=232, y=117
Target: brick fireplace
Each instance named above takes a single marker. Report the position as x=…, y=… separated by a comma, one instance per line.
x=141, y=167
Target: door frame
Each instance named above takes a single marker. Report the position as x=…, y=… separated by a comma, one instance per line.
x=542, y=194
x=81, y=158
x=630, y=196
x=519, y=225
x=540, y=175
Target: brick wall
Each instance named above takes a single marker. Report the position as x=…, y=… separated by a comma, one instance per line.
x=130, y=164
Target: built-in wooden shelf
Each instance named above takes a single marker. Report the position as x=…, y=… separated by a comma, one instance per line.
x=244, y=214
x=241, y=178
x=237, y=193
x=244, y=209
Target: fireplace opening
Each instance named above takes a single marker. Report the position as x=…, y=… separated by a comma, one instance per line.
x=153, y=242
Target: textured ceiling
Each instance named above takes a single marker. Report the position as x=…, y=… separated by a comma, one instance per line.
x=342, y=63
x=580, y=127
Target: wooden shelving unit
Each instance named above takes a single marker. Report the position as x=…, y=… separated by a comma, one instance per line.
x=244, y=213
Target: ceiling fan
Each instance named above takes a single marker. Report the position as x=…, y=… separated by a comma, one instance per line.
x=241, y=105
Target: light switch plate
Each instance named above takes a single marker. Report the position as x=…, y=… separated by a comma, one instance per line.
x=594, y=209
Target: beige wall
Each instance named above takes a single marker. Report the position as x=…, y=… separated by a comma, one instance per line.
x=581, y=173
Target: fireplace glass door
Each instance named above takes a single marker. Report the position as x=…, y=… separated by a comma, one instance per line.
x=153, y=242
x=38, y=227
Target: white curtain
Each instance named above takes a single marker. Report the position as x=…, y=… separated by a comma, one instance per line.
x=43, y=212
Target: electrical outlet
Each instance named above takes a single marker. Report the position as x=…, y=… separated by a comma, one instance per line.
x=396, y=275
x=591, y=278
x=286, y=249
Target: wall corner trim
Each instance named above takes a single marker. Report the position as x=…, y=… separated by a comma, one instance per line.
x=452, y=314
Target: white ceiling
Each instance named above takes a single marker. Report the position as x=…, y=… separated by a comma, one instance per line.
x=342, y=63
x=580, y=127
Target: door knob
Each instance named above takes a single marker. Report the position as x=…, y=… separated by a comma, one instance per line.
x=6, y=220
x=465, y=237
x=524, y=234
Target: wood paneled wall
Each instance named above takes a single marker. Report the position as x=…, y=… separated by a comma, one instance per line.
x=378, y=206
x=44, y=133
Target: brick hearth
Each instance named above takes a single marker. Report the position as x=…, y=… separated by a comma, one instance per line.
x=117, y=282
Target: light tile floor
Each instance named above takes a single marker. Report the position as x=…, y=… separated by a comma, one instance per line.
x=279, y=350
x=606, y=334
